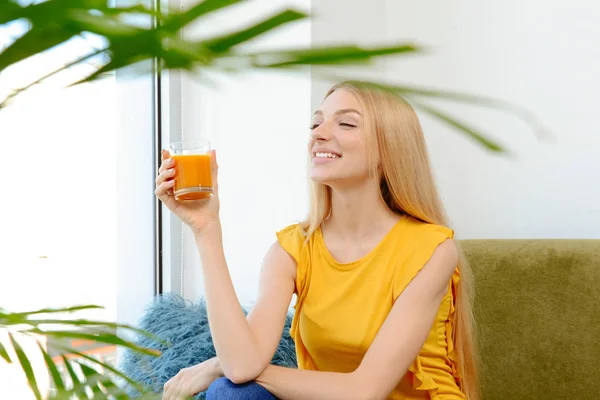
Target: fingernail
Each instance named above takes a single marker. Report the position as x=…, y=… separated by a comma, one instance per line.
x=171, y=170
x=168, y=161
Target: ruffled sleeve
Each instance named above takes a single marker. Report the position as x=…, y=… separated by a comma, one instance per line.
x=293, y=241
x=425, y=382
x=450, y=329
x=424, y=242
x=427, y=237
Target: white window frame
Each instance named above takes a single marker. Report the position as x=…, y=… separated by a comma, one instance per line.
x=138, y=263
x=172, y=89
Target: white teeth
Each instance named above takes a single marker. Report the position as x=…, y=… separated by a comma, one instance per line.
x=326, y=155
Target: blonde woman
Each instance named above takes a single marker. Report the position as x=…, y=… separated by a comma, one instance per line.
x=383, y=306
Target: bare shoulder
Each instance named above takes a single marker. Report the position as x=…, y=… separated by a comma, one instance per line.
x=446, y=254
x=438, y=270
x=278, y=260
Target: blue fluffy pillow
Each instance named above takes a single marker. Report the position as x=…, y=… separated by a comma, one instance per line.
x=184, y=325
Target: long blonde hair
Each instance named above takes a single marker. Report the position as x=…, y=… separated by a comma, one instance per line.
x=397, y=153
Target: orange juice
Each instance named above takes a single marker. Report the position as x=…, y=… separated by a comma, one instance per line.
x=193, y=178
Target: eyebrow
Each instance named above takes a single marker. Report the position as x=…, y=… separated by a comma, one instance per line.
x=338, y=112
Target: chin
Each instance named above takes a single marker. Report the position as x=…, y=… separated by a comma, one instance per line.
x=325, y=179
x=338, y=180
x=320, y=179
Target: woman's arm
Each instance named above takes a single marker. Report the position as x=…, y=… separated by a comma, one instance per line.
x=245, y=346
x=395, y=347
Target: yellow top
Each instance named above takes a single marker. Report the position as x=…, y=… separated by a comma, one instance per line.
x=340, y=307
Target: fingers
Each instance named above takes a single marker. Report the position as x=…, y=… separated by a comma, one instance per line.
x=167, y=161
x=165, y=175
x=213, y=161
x=164, y=181
x=164, y=190
x=178, y=393
x=214, y=168
x=172, y=389
x=168, y=389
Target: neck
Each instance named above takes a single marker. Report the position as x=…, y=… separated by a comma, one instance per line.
x=359, y=212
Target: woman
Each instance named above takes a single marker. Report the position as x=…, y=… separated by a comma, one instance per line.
x=383, y=294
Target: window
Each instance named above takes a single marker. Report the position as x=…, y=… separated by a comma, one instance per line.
x=78, y=209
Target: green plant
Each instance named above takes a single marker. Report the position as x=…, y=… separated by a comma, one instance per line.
x=95, y=380
x=54, y=22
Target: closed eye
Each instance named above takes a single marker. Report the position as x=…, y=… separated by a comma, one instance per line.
x=315, y=126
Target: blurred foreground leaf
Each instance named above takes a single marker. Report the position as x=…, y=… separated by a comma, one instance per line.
x=157, y=36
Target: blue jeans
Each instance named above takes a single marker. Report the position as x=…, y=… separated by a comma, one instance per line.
x=224, y=389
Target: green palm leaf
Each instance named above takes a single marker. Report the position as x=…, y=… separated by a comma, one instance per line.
x=104, y=25
x=56, y=21
x=93, y=380
x=40, y=12
x=4, y=354
x=70, y=371
x=137, y=9
x=8, y=11
x=26, y=365
x=56, y=377
x=471, y=132
x=468, y=98
x=96, y=331
x=115, y=391
x=115, y=371
x=36, y=41
x=323, y=55
x=177, y=20
x=5, y=315
x=226, y=42
x=100, y=337
x=83, y=323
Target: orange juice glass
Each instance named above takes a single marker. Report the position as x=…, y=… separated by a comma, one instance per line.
x=193, y=177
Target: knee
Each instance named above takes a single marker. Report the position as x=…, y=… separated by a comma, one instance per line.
x=219, y=389
x=223, y=388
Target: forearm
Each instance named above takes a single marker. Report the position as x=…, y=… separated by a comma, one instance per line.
x=215, y=365
x=295, y=384
x=238, y=353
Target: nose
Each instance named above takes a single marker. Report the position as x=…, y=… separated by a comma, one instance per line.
x=321, y=133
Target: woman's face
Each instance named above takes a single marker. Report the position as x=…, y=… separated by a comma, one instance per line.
x=338, y=146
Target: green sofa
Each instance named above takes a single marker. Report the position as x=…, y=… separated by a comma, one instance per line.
x=537, y=307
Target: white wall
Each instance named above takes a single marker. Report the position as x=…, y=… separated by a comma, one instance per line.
x=541, y=55
x=258, y=123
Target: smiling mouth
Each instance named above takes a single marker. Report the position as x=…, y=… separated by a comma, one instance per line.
x=327, y=155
